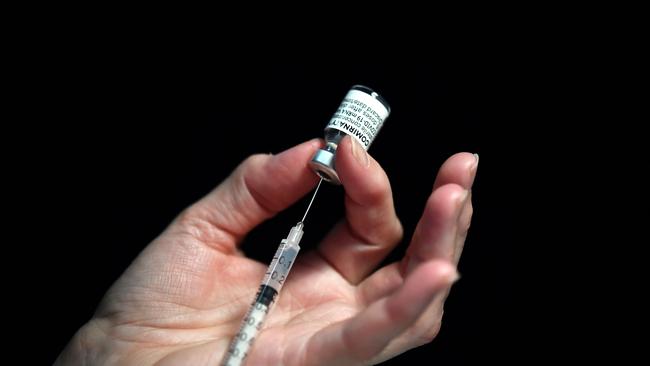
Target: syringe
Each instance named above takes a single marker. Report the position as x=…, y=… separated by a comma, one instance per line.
x=276, y=275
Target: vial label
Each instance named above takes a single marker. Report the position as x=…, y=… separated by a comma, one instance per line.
x=360, y=115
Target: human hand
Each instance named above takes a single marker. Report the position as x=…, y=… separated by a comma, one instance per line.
x=183, y=298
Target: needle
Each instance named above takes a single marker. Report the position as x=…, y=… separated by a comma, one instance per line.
x=312, y=200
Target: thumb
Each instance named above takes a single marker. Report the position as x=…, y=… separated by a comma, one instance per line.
x=260, y=187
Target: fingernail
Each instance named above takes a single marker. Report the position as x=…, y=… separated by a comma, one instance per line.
x=360, y=153
x=473, y=168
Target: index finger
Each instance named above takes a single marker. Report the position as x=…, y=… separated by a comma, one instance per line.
x=371, y=228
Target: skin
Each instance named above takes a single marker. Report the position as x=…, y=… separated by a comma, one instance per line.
x=183, y=298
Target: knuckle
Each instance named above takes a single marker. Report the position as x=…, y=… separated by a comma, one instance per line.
x=429, y=334
x=195, y=222
x=188, y=215
x=376, y=192
x=395, y=233
x=253, y=161
x=443, y=193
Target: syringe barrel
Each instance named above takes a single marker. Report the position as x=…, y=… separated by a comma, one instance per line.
x=274, y=279
x=276, y=274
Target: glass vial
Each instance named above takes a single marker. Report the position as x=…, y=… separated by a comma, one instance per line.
x=360, y=115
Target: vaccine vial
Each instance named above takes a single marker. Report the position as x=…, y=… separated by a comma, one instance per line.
x=360, y=115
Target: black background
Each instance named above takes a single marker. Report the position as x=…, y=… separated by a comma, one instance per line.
x=139, y=134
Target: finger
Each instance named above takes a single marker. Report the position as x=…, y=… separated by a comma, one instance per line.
x=434, y=238
x=371, y=228
x=381, y=283
x=459, y=169
x=259, y=188
x=446, y=240
x=435, y=234
x=385, y=280
x=441, y=232
x=464, y=222
x=362, y=338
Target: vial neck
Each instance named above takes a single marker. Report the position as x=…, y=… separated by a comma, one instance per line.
x=331, y=147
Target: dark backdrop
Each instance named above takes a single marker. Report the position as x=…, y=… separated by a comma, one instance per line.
x=153, y=132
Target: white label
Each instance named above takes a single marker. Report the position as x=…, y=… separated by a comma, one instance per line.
x=360, y=115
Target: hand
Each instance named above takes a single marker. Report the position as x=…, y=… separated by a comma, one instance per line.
x=183, y=298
